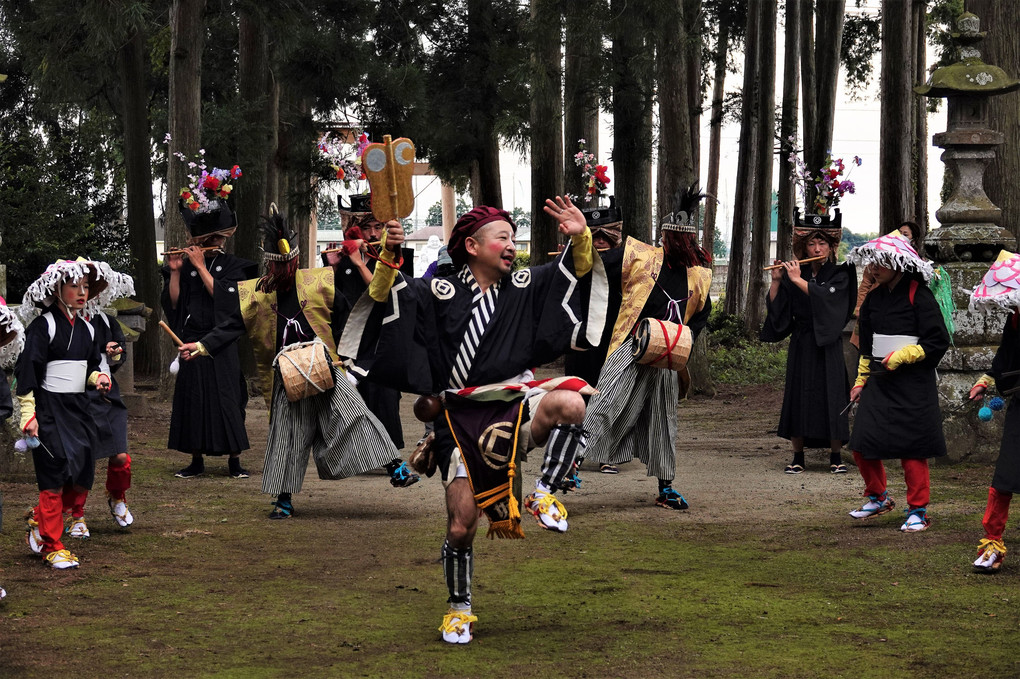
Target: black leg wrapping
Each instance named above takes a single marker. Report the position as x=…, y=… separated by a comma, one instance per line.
x=565, y=444
x=458, y=567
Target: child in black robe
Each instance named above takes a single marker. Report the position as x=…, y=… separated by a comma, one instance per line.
x=999, y=289
x=903, y=338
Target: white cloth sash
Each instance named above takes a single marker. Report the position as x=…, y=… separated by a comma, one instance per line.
x=65, y=377
x=883, y=345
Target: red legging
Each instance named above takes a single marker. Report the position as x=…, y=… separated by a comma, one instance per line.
x=996, y=513
x=118, y=477
x=915, y=473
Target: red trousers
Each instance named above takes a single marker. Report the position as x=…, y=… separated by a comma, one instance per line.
x=118, y=478
x=49, y=513
x=996, y=513
x=915, y=473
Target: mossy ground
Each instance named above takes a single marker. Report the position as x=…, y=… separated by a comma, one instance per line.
x=756, y=585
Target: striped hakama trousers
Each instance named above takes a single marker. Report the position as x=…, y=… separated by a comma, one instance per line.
x=345, y=439
x=634, y=415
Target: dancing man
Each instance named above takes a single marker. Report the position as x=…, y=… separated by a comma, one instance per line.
x=473, y=338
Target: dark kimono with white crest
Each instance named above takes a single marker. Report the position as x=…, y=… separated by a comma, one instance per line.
x=411, y=341
x=817, y=389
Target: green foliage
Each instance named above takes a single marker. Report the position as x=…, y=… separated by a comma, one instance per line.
x=327, y=213
x=850, y=241
x=862, y=39
x=521, y=217
x=522, y=260
x=435, y=215
x=719, y=247
x=737, y=359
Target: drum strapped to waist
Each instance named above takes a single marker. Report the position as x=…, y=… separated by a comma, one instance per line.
x=883, y=345
x=305, y=368
x=661, y=344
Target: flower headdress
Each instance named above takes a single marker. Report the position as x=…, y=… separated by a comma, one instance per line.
x=347, y=169
x=829, y=184
x=594, y=176
x=45, y=290
x=206, y=188
x=892, y=251
x=1000, y=286
x=12, y=336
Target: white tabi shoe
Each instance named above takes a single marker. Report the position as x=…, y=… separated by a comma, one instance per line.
x=34, y=538
x=549, y=512
x=62, y=559
x=457, y=626
x=120, y=512
x=78, y=529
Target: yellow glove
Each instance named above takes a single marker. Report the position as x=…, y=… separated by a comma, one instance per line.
x=27, y=404
x=912, y=353
x=986, y=381
x=863, y=370
x=581, y=246
x=384, y=276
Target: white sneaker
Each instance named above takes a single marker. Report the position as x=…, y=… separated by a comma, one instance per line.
x=62, y=559
x=876, y=504
x=78, y=529
x=34, y=537
x=121, y=513
x=549, y=512
x=457, y=626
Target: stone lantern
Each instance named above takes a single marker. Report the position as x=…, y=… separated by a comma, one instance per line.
x=970, y=234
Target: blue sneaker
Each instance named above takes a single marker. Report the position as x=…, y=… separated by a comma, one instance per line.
x=402, y=476
x=571, y=481
x=670, y=499
x=282, y=509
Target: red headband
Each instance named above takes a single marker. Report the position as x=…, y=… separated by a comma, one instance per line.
x=468, y=225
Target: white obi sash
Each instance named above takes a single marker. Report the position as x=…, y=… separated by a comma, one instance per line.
x=65, y=377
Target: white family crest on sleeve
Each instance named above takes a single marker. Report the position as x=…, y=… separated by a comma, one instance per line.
x=521, y=279
x=442, y=289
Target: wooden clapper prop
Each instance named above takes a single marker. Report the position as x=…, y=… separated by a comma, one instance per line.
x=389, y=167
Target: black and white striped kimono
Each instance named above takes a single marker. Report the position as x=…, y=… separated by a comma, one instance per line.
x=344, y=437
x=634, y=415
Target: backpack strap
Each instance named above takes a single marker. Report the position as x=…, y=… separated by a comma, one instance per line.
x=913, y=291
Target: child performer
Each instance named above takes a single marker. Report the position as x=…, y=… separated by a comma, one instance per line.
x=903, y=337
x=60, y=359
x=108, y=410
x=12, y=340
x=999, y=289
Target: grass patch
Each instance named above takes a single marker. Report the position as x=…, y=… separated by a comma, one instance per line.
x=738, y=359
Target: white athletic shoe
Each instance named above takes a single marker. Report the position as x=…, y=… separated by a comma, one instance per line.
x=121, y=513
x=34, y=538
x=62, y=559
x=876, y=505
x=457, y=626
x=549, y=512
x=78, y=529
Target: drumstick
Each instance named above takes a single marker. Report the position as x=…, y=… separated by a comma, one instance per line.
x=175, y=338
x=798, y=261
